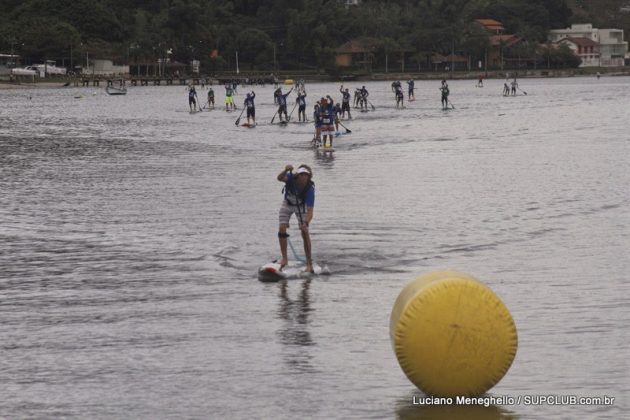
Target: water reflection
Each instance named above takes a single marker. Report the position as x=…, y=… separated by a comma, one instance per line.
x=295, y=334
x=407, y=410
x=325, y=158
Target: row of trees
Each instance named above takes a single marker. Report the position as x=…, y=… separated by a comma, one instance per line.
x=268, y=34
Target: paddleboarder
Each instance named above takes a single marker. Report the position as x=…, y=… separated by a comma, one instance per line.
x=282, y=105
x=192, y=98
x=445, y=92
x=210, y=97
x=251, y=108
x=345, y=102
x=301, y=103
x=299, y=198
x=411, y=87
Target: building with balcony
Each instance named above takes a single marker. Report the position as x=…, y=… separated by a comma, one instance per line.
x=612, y=47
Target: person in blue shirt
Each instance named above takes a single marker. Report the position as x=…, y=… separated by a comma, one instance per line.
x=192, y=98
x=251, y=108
x=301, y=103
x=327, y=115
x=299, y=198
x=282, y=105
x=345, y=102
x=411, y=87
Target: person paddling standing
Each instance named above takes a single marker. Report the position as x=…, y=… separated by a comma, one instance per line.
x=445, y=92
x=299, y=198
x=411, y=86
x=301, y=103
x=192, y=98
x=251, y=108
x=210, y=97
x=282, y=105
x=345, y=102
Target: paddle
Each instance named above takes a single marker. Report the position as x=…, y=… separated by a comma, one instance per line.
x=521, y=90
x=295, y=254
x=347, y=129
x=291, y=113
x=238, y=120
x=450, y=103
x=373, y=107
x=204, y=105
x=274, y=115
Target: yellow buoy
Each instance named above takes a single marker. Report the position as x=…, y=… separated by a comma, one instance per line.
x=452, y=335
x=288, y=82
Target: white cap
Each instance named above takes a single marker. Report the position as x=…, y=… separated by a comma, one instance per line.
x=302, y=170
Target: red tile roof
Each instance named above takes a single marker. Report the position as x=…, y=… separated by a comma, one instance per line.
x=491, y=24
x=507, y=40
x=355, y=46
x=580, y=41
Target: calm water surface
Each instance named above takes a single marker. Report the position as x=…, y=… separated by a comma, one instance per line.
x=131, y=230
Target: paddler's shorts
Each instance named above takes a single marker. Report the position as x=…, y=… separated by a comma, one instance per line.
x=328, y=130
x=229, y=100
x=286, y=210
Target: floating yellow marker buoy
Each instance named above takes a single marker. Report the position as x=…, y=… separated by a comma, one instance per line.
x=452, y=335
x=288, y=82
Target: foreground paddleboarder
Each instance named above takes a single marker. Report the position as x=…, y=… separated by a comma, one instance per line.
x=299, y=198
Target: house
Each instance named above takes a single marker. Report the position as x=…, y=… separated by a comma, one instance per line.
x=612, y=47
x=494, y=27
x=106, y=67
x=354, y=53
x=501, y=43
x=585, y=48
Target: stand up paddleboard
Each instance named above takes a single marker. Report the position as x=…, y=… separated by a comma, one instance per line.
x=272, y=272
x=248, y=125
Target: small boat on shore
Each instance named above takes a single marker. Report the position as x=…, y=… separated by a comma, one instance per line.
x=111, y=90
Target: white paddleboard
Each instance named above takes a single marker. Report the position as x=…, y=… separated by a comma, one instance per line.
x=271, y=272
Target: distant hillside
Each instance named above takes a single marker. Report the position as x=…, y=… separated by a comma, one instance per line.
x=268, y=34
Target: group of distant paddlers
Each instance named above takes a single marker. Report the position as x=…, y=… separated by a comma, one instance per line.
x=326, y=113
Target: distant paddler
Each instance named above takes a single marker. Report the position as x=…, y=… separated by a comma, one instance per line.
x=445, y=92
x=411, y=90
x=327, y=116
x=301, y=103
x=192, y=98
x=229, y=97
x=210, y=97
x=345, y=102
x=363, y=97
x=251, y=108
x=514, y=85
x=299, y=198
x=400, y=97
x=282, y=105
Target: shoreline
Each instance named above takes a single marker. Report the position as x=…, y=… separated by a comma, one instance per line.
x=311, y=78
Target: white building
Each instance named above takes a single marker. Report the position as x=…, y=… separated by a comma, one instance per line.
x=106, y=67
x=612, y=47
